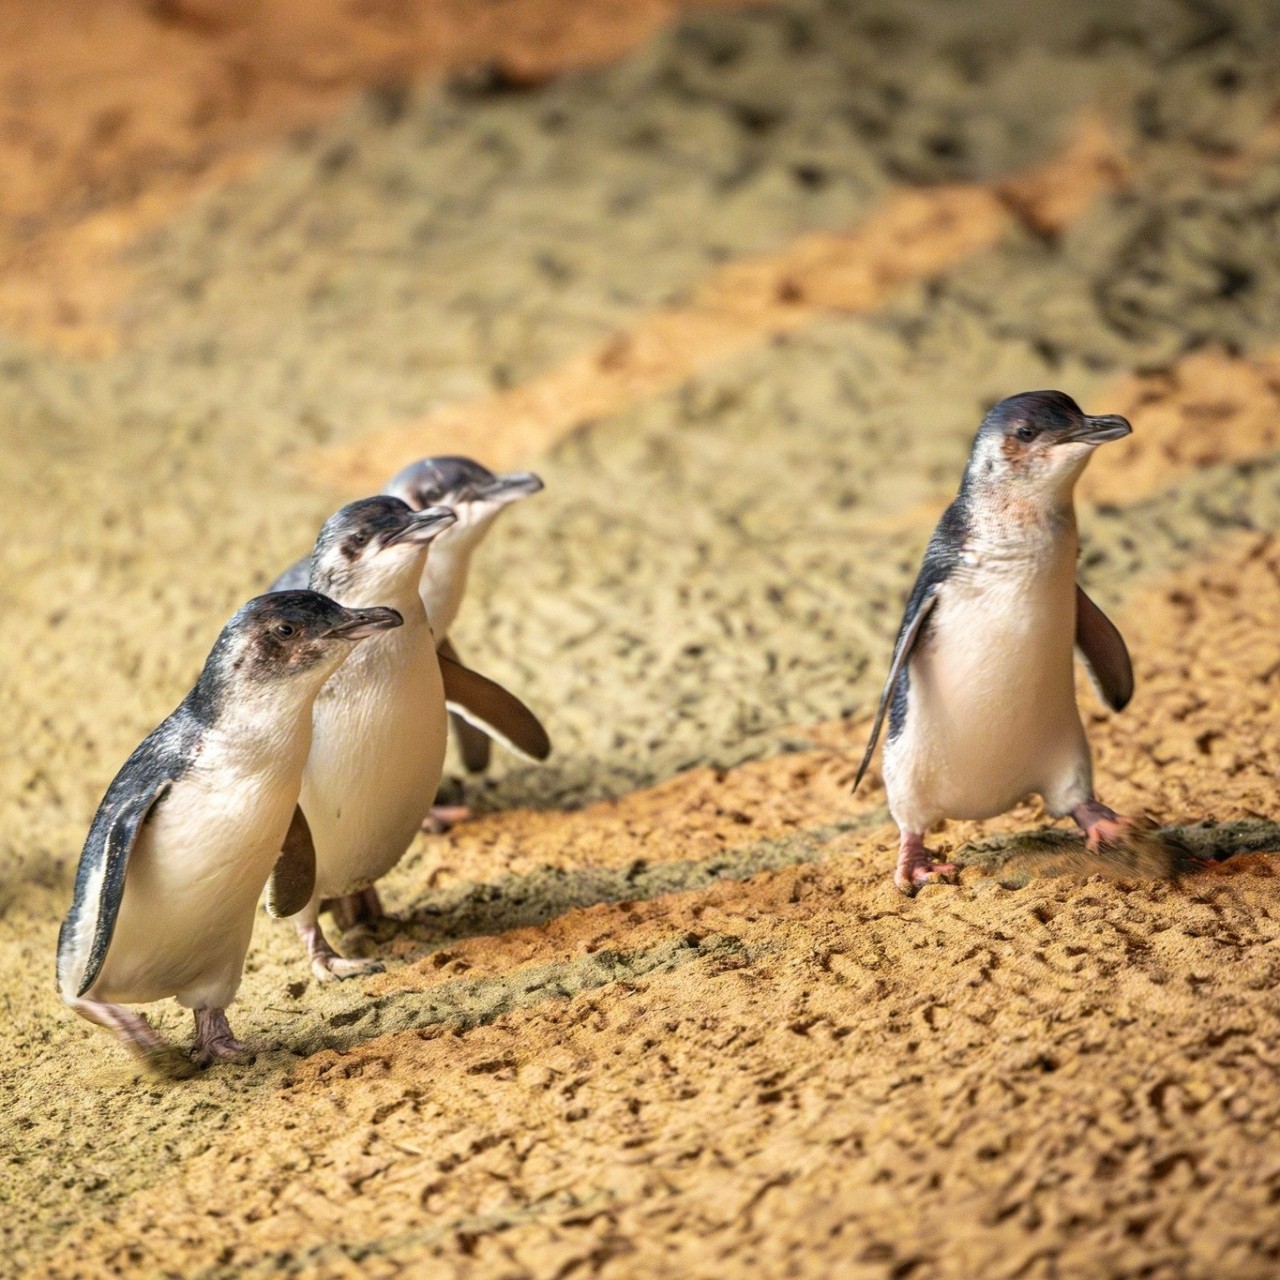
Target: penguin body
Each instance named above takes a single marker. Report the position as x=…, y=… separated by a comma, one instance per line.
x=981, y=691
x=969, y=747
x=377, y=755
x=377, y=750
x=190, y=830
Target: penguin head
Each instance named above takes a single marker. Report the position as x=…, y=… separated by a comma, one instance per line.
x=292, y=634
x=1037, y=443
x=373, y=549
x=473, y=491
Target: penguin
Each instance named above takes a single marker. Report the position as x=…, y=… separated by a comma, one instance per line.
x=199, y=819
x=378, y=744
x=477, y=497
x=980, y=696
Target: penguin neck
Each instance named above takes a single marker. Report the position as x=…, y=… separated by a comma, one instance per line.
x=444, y=581
x=398, y=591
x=267, y=723
x=1006, y=526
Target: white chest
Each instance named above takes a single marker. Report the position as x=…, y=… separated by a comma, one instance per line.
x=376, y=757
x=991, y=712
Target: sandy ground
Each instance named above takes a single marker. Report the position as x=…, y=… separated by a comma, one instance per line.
x=739, y=287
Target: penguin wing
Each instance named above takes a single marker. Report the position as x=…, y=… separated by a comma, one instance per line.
x=941, y=556
x=912, y=625
x=111, y=840
x=489, y=707
x=293, y=879
x=1105, y=655
x=472, y=743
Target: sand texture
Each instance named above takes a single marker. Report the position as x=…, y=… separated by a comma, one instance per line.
x=738, y=282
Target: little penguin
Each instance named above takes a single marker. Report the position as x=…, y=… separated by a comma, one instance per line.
x=477, y=497
x=201, y=816
x=377, y=751
x=981, y=689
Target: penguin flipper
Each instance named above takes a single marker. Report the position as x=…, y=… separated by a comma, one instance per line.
x=907, y=637
x=1105, y=655
x=118, y=834
x=489, y=707
x=293, y=878
x=473, y=744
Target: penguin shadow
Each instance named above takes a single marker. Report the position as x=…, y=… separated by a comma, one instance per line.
x=347, y=1016
x=341, y=1016
x=471, y=909
x=1156, y=853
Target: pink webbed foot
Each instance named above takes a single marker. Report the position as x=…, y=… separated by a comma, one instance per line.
x=1104, y=828
x=1133, y=846
x=326, y=963
x=214, y=1041
x=916, y=865
x=443, y=817
x=135, y=1032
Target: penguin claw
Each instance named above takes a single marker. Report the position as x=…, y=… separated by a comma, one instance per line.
x=909, y=880
x=916, y=866
x=214, y=1040
x=326, y=963
x=337, y=968
x=229, y=1050
x=444, y=817
x=1112, y=833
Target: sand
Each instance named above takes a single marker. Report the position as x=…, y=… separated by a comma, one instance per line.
x=738, y=284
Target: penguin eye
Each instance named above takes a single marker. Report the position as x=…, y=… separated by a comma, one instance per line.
x=359, y=538
x=285, y=629
x=1026, y=433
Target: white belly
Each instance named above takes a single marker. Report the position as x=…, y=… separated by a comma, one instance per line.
x=991, y=712
x=377, y=754
x=192, y=886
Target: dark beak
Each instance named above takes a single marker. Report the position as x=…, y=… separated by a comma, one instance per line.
x=516, y=484
x=364, y=622
x=1108, y=426
x=424, y=525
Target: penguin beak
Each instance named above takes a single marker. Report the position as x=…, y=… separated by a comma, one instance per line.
x=1098, y=430
x=423, y=526
x=364, y=622
x=516, y=484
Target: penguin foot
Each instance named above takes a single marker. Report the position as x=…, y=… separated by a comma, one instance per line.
x=336, y=968
x=1103, y=827
x=361, y=907
x=214, y=1041
x=442, y=817
x=326, y=963
x=916, y=866
x=1110, y=834
x=135, y=1032
x=1133, y=847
